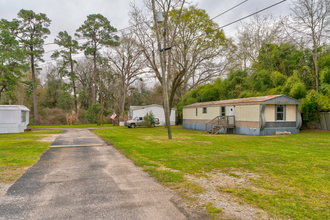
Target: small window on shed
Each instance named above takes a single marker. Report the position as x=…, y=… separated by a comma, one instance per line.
x=196, y=111
x=204, y=110
x=280, y=116
x=23, y=116
x=223, y=111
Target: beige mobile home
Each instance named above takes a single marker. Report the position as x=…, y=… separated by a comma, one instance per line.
x=252, y=116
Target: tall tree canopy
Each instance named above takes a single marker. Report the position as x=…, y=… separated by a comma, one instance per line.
x=32, y=30
x=12, y=57
x=71, y=47
x=98, y=32
x=309, y=23
x=199, y=47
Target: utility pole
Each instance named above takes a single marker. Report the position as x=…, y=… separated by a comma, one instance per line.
x=101, y=97
x=160, y=51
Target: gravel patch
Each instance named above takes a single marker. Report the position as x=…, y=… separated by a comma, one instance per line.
x=231, y=206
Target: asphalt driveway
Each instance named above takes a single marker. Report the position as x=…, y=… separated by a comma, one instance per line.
x=81, y=177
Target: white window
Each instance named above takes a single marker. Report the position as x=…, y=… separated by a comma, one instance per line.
x=23, y=116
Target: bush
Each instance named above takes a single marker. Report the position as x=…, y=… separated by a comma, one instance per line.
x=94, y=114
x=325, y=89
x=82, y=116
x=149, y=119
x=325, y=76
x=52, y=116
x=313, y=104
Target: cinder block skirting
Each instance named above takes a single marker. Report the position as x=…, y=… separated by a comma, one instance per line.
x=244, y=130
x=200, y=127
x=271, y=131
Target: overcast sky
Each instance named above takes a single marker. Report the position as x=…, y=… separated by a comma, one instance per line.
x=70, y=14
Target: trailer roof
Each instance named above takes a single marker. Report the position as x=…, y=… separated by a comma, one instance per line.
x=271, y=99
x=13, y=108
x=148, y=106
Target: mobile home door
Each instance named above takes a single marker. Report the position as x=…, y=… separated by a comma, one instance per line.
x=231, y=113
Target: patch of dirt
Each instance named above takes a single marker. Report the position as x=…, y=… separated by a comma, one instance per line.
x=204, y=142
x=207, y=188
x=231, y=206
x=165, y=168
x=3, y=188
x=49, y=138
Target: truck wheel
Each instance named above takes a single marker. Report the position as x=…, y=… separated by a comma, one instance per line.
x=132, y=125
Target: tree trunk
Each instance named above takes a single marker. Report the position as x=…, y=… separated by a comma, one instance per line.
x=94, y=80
x=122, y=108
x=74, y=90
x=316, y=70
x=3, y=87
x=35, y=110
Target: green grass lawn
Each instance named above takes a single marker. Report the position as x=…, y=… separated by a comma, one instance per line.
x=294, y=169
x=71, y=126
x=20, y=151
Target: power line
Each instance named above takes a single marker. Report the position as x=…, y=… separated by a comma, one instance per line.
x=168, y=48
x=221, y=14
x=145, y=22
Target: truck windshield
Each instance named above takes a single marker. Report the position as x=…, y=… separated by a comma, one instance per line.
x=136, y=118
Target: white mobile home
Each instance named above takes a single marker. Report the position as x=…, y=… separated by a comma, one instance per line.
x=252, y=116
x=157, y=110
x=13, y=118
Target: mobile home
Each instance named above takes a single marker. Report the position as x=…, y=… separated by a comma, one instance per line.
x=13, y=118
x=157, y=110
x=251, y=116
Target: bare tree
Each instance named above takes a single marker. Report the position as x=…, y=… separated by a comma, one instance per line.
x=308, y=23
x=150, y=40
x=252, y=35
x=127, y=64
x=85, y=81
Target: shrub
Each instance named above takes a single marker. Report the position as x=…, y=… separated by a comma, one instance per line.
x=149, y=119
x=82, y=116
x=52, y=116
x=93, y=115
x=313, y=104
x=72, y=119
x=325, y=89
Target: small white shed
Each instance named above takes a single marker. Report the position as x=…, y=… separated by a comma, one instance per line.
x=157, y=110
x=13, y=118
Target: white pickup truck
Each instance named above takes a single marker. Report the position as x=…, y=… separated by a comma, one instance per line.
x=138, y=121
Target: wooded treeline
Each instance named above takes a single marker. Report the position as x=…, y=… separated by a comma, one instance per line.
x=267, y=55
